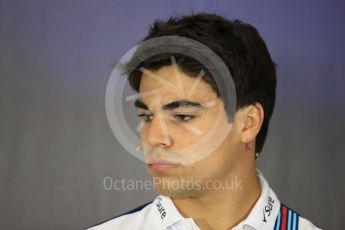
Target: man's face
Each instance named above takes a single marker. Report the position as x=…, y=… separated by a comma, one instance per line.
x=171, y=133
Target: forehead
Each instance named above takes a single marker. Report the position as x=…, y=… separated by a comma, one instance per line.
x=169, y=84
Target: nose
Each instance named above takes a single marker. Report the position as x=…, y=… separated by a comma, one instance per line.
x=157, y=135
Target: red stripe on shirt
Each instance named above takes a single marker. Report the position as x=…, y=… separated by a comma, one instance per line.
x=284, y=218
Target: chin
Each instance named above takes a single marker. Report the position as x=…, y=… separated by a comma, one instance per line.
x=176, y=192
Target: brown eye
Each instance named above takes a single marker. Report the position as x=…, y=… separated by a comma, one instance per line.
x=145, y=117
x=183, y=117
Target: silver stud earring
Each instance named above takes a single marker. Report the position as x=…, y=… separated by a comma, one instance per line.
x=257, y=155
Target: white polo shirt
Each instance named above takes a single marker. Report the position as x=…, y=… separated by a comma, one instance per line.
x=161, y=214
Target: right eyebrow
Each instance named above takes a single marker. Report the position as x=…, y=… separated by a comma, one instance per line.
x=139, y=104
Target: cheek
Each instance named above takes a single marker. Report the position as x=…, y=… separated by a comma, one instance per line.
x=190, y=133
x=143, y=133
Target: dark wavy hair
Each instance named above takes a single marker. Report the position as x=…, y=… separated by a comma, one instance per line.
x=240, y=47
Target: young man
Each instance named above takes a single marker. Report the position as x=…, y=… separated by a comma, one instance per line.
x=221, y=189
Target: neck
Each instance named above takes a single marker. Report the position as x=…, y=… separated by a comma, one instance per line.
x=223, y=208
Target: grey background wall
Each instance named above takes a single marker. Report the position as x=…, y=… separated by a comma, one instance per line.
x=56, y=146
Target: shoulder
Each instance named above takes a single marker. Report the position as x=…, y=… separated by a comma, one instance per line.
x=129, y=219
x=289, y=219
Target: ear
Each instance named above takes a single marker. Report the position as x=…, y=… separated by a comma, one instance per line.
x=252, y=119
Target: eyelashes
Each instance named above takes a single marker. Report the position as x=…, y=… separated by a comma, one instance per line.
x=144, y=116
x=184, y=117
x=177, y=117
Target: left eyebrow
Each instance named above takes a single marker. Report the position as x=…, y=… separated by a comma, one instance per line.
x=172, y=105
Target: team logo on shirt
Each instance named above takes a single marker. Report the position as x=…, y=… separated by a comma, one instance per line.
x=160, y=208
x=268, y=208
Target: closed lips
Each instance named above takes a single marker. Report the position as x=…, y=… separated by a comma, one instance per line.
x=162, y=162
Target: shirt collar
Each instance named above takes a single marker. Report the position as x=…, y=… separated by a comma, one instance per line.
x=266, y=209
x=166, y=214
x=262, y=216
